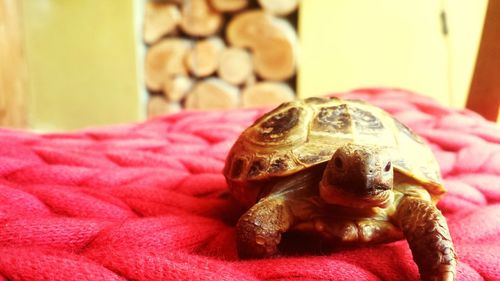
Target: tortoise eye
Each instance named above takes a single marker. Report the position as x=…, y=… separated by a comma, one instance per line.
x=338, y=163
x=387, y=167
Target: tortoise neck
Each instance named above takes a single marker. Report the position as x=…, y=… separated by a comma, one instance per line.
x=306, y=180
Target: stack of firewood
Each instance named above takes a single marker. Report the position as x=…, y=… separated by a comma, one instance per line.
x=219, y=54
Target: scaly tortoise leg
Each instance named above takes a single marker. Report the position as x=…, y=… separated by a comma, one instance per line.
x=259, y=230
x=427, y=233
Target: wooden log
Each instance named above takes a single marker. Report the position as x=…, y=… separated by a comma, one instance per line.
x=212, y=93
x=224, y=6
x=272, y=40
x=158, y=105
x=484, y=92
x=279, y=7
x=159, y=19
x=203, y=58
x=235, y=65
x=177, y=2
x=166, y=58
x=199, y=19
x=266, y=94
x=176, y=87
x=13, y=67
x=251, y=80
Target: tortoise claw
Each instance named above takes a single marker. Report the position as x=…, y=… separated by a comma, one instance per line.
x=255, y=242
x=258, y=231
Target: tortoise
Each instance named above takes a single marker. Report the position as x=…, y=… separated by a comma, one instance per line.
x=344, y=170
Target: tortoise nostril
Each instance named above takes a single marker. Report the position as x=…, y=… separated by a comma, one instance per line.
x=387, y=167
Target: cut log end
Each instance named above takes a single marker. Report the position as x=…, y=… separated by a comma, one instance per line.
x=203, y=59
x=199, y=19
x=279, y=7
x=228, y=5
x=176, y=87
x=158, y=106
x=262, y=46
x=267, y=94
x=235, y=65
x=160, y=19
x=251, y=80
x=177, y=2
x=272, y=41
x=165, y=59
x=277, y=63
x=211, y=94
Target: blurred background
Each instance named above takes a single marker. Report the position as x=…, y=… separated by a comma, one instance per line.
x=66, y=64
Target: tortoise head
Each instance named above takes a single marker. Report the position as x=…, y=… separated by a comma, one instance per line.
x=359, y=176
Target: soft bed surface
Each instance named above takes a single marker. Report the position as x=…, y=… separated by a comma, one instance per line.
x=148, y=201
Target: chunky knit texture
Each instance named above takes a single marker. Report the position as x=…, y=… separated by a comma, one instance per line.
x=148, y=202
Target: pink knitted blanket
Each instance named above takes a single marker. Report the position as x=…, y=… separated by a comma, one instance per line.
x=148, y=201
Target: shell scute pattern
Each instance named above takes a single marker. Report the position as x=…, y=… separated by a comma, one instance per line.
x=366, y=120
x=319, y=100
x=278, y=125
x=304, y=133
x=238, y=164
x=258, y=166
x=279, y=165
x=333, y=119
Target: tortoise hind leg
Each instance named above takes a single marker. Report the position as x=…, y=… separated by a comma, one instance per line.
x=259, y=230
x=427, y=233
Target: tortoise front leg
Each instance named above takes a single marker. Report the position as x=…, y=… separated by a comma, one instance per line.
x=427, y=233
x=258, y=231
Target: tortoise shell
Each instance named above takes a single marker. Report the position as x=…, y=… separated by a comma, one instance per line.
x=304, y=133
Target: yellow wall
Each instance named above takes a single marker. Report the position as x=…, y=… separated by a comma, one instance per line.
x=82, y=66
x=398, y=43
